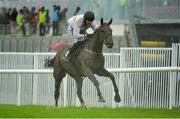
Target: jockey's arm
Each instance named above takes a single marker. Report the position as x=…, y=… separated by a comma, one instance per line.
x=76, y=32
x=94, y=25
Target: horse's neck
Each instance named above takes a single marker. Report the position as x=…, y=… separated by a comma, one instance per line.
x=95, y=45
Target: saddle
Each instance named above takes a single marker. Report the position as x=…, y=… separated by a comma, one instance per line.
x=76, y=47
x=58, y=45
x=73, y=52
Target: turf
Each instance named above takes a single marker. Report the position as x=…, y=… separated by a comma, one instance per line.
x=29, y=111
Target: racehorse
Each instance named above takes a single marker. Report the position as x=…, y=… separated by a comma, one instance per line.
x=88, y=61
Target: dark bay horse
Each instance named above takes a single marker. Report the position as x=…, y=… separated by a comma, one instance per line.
x=88, y=62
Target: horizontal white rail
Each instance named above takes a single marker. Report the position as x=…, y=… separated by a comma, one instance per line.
x=144, y=69
x=113, y=70
x=28, y=71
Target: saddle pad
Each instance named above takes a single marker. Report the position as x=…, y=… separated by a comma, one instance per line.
x=58, y=45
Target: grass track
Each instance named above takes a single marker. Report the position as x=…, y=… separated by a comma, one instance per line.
x=29, y=111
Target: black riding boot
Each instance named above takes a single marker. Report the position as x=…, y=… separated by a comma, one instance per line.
x=69, y=55
x=72, y=52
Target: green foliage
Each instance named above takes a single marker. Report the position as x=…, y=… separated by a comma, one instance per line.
x=29, y=111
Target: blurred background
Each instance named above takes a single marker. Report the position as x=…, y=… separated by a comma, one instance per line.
x=117, y=9
x=144, y=23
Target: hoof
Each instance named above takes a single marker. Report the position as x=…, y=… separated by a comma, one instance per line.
x=55, y=107
x=84, y=106
x=117, y=98
x=101, y=100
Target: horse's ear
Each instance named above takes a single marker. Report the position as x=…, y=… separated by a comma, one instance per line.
x=110, y=21
x=101, y=21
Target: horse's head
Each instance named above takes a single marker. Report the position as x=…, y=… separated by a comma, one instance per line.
x=105, y=33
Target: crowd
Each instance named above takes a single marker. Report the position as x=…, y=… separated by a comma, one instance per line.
x=35, y=21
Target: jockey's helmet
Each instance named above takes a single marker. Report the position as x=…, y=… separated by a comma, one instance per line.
x=89, y=15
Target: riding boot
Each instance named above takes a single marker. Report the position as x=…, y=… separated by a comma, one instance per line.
x=69, y=56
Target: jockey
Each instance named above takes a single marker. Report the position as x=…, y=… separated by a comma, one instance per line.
x=77, y=26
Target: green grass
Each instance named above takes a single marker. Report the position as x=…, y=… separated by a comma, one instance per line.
x=29, y=111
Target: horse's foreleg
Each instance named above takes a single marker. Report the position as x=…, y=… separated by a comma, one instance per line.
x=96, y=83
x=79, y=91
x=105, y=73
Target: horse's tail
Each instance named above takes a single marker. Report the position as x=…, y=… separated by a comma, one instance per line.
x=49, y=62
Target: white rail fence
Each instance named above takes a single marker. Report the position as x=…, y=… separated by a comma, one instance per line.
x=146, y=77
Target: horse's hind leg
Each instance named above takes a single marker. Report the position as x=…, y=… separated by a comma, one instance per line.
x=58, y=75
x=56, y=92
x=104, y=72
x=96, y=83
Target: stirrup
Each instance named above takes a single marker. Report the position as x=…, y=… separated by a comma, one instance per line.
x=66, y=55
x=67, y=60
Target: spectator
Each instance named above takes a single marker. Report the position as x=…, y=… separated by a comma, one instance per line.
x=7, y=28
x=36, y=19
x=48, y=22
x=59, y=19
x=55, y=20
x=42, y=21
x=20, y=22
x=123, y=7
x=64, y=20
x=8, y=13
x=77, y=10
x=3, y=21
x=12, y=18
x=33, y=25
x=27, y=20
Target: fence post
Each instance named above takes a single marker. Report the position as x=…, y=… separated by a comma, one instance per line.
x=65, y=90
x=19, y=90
x=173, y=77
x=35, y=81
